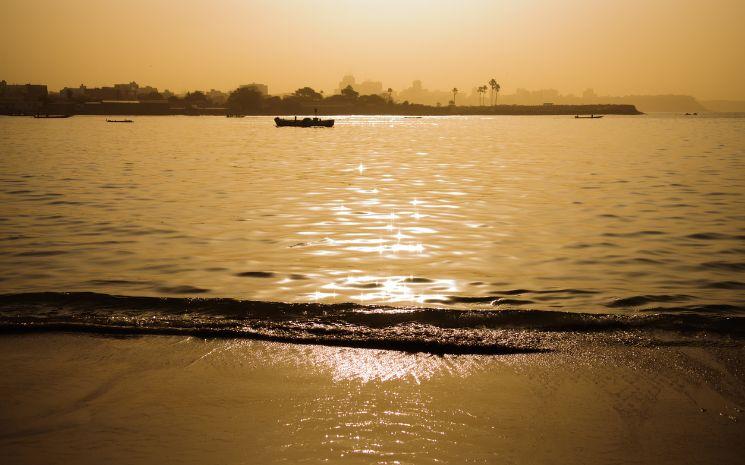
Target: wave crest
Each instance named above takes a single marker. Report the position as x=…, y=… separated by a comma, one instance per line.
x=433, y=330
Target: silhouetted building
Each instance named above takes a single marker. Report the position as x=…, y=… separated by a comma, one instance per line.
x=131, y=91
x=84, y=93
x=363, y=88
x=126, y=91
x=71, y=93
x=146, y=90
x=589, y=96
x=101, y=93
x=418, y=94
x=369, y=88
x=347, y=80
x=22, y=98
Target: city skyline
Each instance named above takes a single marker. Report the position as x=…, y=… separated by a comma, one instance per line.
x=364, y=87
x=416, y=93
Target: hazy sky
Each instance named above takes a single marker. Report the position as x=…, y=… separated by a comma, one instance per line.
x=617, y=47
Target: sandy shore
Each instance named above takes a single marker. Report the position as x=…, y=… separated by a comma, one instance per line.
x=160, y=399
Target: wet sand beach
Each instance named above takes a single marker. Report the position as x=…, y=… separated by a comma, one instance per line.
x=71, y=398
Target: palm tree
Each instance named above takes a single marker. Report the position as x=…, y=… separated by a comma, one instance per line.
x=390, y=95
x=455, y=92
x=482, y=94
x=493, y=84
x=497, y=88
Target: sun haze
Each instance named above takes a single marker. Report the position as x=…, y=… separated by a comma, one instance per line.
x=617, y=47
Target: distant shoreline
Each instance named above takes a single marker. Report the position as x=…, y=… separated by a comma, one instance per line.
x=142, y=109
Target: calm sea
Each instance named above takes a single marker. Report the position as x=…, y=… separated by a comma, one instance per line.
x=614, y=216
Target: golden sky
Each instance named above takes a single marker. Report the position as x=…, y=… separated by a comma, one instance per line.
x=617, y=47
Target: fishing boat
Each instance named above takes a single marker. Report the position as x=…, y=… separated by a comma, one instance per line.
x=304, y=122
x=51, y=116
x=588, y=117
x=119, y=121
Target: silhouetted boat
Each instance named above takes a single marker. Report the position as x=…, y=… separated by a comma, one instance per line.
x=589, y=117
x=304, y=123
x=51, y=116
x=314, y=122
x=119, y=121
x=232, y=115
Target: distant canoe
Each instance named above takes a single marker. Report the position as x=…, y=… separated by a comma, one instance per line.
x=119, y=121
x=233, y=115
x=588, y=117
x=304, y=123
x=51, y=116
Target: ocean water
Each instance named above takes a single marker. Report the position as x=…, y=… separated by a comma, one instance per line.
x=377, y=229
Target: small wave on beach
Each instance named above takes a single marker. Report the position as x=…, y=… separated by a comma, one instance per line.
x=429, y=330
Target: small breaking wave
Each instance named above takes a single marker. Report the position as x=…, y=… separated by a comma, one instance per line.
x=431, y=330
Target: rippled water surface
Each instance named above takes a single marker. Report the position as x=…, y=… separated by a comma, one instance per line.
x=544, y=213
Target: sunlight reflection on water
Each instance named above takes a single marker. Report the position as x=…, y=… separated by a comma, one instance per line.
x=459, y=211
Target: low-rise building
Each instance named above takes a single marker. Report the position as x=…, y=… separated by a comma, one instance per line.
x=71, y=93
x=101, y=93
x=126, y=91
x=22, y=98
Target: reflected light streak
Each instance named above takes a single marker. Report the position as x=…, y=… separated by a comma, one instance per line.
x=369, y=365
x=392, y=235
x=391, y=289
x=318, y=295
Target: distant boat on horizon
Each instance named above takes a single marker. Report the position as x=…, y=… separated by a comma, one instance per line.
x=588, y=117
x=119, y=121
x=40, y=116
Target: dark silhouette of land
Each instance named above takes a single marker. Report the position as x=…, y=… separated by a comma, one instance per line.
x=253, y=99
x=351, y=97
